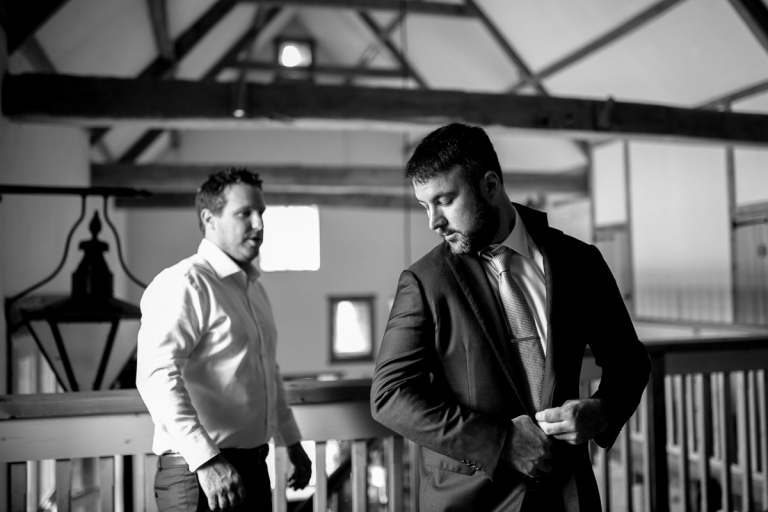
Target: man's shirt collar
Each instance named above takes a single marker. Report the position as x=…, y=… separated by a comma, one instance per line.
x=221, y=263
x=517, y=240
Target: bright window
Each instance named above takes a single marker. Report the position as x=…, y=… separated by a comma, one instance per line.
x=291, y=239
x=351, y=328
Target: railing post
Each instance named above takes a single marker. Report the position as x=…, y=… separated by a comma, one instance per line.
x=359, y=475
x=657, y=487
x=320, y=499
x=414, y=455
x=18, y=487
x=395, y=473
x=279, y=503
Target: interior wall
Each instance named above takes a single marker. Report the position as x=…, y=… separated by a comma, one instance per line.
x=608, y=184
x=680, y=230
x=363, y=250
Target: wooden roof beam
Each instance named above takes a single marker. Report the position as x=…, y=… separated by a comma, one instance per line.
x=164, y=178
x=182, y=46
x=177, y=103
x=412, y=6
x=22, y=19
x=754, y=13
x=158, y=15
x=383, y=37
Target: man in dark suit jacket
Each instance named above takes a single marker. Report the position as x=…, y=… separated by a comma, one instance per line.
x=447, y=376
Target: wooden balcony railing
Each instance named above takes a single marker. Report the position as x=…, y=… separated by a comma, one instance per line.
x=697, y=442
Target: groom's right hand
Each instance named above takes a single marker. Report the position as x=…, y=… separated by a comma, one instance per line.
x=527, y=448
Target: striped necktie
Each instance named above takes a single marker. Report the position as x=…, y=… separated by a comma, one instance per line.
x=525, y=338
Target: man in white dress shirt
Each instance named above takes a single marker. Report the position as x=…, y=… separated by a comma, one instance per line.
x=206, y=362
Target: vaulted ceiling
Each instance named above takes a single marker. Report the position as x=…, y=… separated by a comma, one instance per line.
x=548, y=78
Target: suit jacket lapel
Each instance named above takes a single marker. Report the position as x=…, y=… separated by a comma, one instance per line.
x=536, y=224
x=474, y=283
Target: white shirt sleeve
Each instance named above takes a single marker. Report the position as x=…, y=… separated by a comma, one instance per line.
x=288, y=430
x=172, y=311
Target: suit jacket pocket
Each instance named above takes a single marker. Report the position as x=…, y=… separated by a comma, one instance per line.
x=436, y=460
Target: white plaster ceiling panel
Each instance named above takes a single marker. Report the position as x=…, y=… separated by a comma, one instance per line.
x=694, y=53
x=344, y=36
x=183, y=13
x=543, y=31
x=455, y=53
x=108, y=37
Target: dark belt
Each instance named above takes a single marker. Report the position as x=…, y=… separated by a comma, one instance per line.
x=174, y=460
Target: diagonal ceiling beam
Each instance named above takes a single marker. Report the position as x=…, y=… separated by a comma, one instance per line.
x=158, y=15
x=412, y=6
x=158, y=178
x=22, y=19
x=230, y=56
x=373, y=49
x=739, y=94
x=502, y=41
x=599, y=43
x=180, y=103
x=184, y=44
x=754, y=13
x=394, y=50
x=516, y=59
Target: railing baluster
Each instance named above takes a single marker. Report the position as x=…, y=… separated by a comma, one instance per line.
x=657, y=481
x=626, y=460
x=63, y=485
x=320, y=499
x=414, y=453
x=725, y=439
x=279, y=501
x=754, y=440
x=705, y=442
x=106, y=483
x=682, y=436
x=394, y=446
x=138, y=471
x=18, y=488
x=762, y=405
x=359, y=476
x=742, y=408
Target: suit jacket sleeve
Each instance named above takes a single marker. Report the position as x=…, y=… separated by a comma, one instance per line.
x=409, y=395
x=617, y=350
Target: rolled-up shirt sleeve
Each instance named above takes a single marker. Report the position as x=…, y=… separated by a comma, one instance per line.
x=171, y=325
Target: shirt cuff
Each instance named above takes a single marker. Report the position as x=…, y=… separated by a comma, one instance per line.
x=197, y=449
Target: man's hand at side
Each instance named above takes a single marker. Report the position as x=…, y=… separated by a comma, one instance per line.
x=221, y=484
x=527, y=448
x=576, y=421
x=302, y=466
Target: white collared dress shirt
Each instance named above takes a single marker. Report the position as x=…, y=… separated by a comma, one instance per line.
x=206, y=360
x=527, y=269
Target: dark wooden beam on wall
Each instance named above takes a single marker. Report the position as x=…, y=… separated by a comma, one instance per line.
x=754, y=13
x=187, y=200
x=412, y=6
x=21, y=19
x=597, y=44
x=160, y=178
x=178, y=103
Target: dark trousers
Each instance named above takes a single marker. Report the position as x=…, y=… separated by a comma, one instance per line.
x=178, y=490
